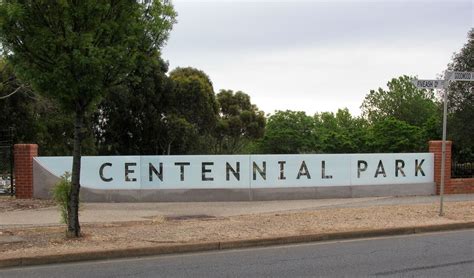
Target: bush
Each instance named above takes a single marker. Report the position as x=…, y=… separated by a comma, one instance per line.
x=61, y=195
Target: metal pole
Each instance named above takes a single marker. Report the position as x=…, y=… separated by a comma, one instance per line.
x=443, y=149
x=12, y=153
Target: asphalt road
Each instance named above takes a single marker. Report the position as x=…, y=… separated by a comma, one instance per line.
x=444, y=254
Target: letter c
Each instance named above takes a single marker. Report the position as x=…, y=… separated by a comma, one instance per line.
x=101, y=172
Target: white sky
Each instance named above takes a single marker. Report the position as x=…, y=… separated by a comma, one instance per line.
x=316, y=56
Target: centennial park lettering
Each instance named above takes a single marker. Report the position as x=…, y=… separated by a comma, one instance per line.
x=259, y=170
x=246, y=171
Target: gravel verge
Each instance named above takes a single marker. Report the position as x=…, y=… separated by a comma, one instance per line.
x=161, y=231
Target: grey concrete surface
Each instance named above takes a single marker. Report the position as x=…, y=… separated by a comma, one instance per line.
x=266, y=194
x=442, y=254
x=43, y=181
x=115, y=212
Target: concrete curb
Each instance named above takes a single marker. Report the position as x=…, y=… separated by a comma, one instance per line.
x=213, y=246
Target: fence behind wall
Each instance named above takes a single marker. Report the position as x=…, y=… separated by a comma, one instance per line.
x=462, y=169
x=7, y=180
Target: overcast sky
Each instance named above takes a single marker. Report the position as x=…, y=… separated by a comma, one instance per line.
x=316, y=56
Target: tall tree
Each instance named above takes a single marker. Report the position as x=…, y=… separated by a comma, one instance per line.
x=461, y=103
x=193, y=99
x=137, y=106
x=239, y=121
x=403, y=101
x=72, y=51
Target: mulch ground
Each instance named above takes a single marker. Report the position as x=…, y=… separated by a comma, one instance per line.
x=8, y=203
x=164, y=231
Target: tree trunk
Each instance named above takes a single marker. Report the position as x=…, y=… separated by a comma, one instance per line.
x=74, y=229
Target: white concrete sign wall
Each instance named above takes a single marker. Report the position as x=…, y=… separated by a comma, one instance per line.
x=246, y=171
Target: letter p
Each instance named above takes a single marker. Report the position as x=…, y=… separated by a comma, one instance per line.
x=361, y=167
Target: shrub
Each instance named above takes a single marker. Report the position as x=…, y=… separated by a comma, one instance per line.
x=61, y=195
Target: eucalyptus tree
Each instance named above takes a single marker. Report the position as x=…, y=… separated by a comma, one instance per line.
x=239, y=122
x=193, y=101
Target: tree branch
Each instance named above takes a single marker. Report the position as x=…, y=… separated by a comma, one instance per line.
x=12, y=93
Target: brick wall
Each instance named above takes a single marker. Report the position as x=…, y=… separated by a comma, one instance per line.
x=461, y=186
x=23, y=154
x=451, y=186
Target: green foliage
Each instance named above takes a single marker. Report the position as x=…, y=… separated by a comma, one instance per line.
x=288, y=132
x=180, y=137
x=239, y=124
x=403, y=101
x=394, y=136
x=340, y=133
x=194, y=109
x=157, y=19
x=295, y=132
x=157, y=124
x=193, y=98
x=36, y=118
x=61, y=195
x=64, y=57
x=72, y=51
x=461, y=104
x=403, y=118
x=17, y=110
x=130, y=119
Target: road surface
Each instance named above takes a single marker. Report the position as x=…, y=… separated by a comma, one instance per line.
x=443, y=254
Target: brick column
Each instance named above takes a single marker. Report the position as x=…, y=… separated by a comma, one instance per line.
x=23, y=154
x=436, y=148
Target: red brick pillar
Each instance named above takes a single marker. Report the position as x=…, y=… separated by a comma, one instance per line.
x=436, y=148
x=23, y=154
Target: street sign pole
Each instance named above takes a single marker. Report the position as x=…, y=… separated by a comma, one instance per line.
x=443, y=147
x=443, y=84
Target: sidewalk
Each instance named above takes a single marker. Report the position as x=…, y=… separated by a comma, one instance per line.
x=34, y=236
x=120, y=212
